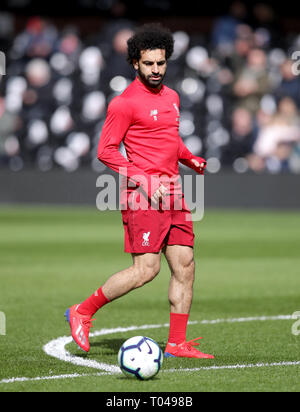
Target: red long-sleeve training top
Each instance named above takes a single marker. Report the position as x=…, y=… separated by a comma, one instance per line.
x=147, y=121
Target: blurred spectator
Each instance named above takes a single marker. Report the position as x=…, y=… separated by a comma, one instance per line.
x=289, y=84
x=253, y=82
x=277, y=138
x=37, y=98
x=242, y=46
x=9, y=125
x=265, y=24
x=115, y=58
x=8, y=121
x=177, y=62
x=224, y=31
x=69, y=43
x=39, y=37
x=242, y=136
x=38, y=73
x=288, y=110
x=7, y=25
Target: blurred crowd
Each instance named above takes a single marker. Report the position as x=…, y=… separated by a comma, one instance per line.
x=239, y=89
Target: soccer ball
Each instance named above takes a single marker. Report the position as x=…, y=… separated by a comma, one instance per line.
x=140, y=357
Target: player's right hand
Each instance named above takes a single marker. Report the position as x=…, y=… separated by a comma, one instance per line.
x=159, y=194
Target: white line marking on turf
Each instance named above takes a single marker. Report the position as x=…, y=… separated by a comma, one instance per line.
x=56, y=349
x=249, y=365
x=52, y=377
x=250, y=319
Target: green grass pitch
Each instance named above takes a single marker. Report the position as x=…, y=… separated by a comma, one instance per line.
x=247, y=266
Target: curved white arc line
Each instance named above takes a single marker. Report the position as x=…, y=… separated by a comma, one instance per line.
x=56, y=349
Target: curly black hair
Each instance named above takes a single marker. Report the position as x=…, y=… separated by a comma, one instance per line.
x=150, y=37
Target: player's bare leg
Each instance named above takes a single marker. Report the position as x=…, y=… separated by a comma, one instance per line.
x=145, y=267
x=182, y=266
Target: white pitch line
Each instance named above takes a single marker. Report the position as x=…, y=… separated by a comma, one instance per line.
x=52, y=377
x=249, y=319
x=56, y=349
x=249, y=365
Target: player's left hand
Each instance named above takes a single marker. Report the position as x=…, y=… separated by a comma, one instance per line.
x=201, y=166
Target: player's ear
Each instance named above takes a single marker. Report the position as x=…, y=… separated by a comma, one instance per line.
x=135, y=64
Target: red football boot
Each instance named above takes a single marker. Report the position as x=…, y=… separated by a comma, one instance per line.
x=80, y=327
x=185, y=350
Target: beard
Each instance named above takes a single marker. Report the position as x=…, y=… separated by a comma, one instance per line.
x=151, y=82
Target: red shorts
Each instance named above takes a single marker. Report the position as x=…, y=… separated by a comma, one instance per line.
x=148, y=231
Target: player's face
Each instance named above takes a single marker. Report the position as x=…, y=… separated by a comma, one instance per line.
x=152, y=67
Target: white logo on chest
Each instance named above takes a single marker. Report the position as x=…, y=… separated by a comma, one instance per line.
x=154, y=113
x=177, y=110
